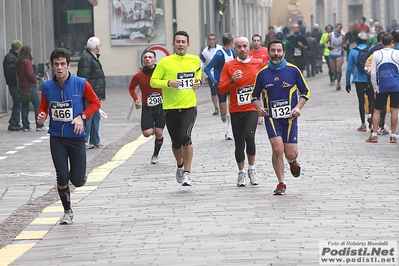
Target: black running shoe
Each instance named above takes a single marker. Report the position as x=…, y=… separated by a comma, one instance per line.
x=295, y=168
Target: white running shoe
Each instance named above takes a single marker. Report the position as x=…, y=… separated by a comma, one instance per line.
x=89, y=146
x=228, y=136
x=186, y=179
x=154, y=159
x=43, y=128
x=241, y=182
x=179, y=175
x=253, y=177
x=100, y=146
x=67, y=217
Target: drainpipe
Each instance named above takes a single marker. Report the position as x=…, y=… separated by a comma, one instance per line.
x=174, y=16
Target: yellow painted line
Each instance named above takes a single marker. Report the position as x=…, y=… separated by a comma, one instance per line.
x=26, y=235
x=54, y=208
x=95, y=179
x=127, y=151
x=12, y=252
x=86, y=188
x=50, y=220
x=100, y=173
x=109, y=166
x=97, y=176
x=75, y=200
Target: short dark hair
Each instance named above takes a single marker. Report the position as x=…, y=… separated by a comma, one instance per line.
x=270, y=27
x=211, y=35
x=386, y=38
x=379, y=36
x=256, y=35
x=60, y=52
x=363, y=18
x=329, y=25
x=274, y=41
x=181, y=33
x=150, y=51
x=227, y=38
x=286, y=30
x=395, y=35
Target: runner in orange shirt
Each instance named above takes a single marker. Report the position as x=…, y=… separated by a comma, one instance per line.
x=238, y=77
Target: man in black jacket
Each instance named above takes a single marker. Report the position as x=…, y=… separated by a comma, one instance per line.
x=311, y=55
x=300, y=45
x=11, y=80
x=317, y=33
x=89, y=67
x=351, y=39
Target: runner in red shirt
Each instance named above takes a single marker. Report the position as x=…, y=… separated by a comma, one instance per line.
x=152, y=115
x=259, y=52
x=362, y=26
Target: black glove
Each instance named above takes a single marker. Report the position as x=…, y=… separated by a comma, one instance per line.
x=216, y=84
x=348, y=88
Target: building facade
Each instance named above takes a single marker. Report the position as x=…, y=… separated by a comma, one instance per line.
x=125, y=27
x=325, y=12
x=346, y=11
x=30, y=22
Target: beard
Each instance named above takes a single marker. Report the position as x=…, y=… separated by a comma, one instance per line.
x=276, y=60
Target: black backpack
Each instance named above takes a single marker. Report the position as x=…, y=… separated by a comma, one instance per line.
x=361, y=59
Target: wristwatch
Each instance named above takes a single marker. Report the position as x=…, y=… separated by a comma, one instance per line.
x=83, y=116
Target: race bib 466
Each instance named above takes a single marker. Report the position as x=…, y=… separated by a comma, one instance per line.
x=62, y=111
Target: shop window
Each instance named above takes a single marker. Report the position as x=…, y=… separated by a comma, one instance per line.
x=73, y=25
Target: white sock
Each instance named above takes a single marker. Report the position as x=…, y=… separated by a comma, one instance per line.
x=251, y=167
x=241, y=171
x=228, y=122
x=374, y=134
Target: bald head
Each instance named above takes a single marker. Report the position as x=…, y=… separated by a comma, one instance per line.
x=241, y=39
x=241, y=45
x=296, y=28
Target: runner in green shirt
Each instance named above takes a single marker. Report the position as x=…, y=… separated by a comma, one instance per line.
x=179, y=75
x=329, y=28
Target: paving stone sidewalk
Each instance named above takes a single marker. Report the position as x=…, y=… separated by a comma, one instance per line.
x=139, y=215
